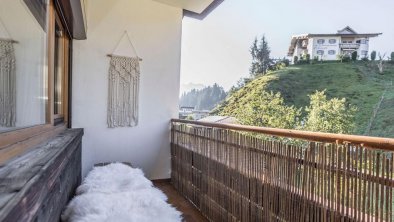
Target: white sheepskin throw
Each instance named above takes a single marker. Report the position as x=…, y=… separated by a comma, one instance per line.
x=119, y=193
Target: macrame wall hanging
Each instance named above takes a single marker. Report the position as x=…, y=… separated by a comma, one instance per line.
x=7, y=82
x=123, y=88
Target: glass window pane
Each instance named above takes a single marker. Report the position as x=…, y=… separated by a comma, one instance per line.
x=331, y=52
x=23, y=64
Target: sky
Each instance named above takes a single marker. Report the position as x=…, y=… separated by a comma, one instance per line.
x=216, y=49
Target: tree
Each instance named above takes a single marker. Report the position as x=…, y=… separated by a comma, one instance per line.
x=268, y=109
x=308, y=58
x=331, y=116
x=261, y=60
x=354, y=56
x=285, y=61
x=340, y=56
x=381, y=63
x=392, y=57
x=373, y=55
x=204, y=99
x=295, y=59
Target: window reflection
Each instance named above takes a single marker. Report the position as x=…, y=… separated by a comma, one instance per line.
x=23, y=65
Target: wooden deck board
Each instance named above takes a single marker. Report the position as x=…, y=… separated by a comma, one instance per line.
x=189, y=211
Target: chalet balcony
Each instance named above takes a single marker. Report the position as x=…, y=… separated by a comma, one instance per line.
x=349, y=45
x=243, y=173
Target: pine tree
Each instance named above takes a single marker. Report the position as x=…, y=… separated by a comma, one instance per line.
x=204, y=99
x=261, y=60
x=373, y=55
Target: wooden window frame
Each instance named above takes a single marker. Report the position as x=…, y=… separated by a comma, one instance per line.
x=16, y=142
x=63, y=116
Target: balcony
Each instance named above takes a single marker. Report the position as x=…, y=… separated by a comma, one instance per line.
x=243, y=173
x=349, y=45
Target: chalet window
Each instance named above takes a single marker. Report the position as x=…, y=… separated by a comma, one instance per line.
x=363, y=41
x=320, y=52
x=320, y=41
x=331, y=52
x=332, y=41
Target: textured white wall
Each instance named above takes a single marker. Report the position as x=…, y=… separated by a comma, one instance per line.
x=155, y=29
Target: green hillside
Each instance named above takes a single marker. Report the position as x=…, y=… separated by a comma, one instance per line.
x=360, y=83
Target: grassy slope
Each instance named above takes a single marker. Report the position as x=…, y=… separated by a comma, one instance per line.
x=358, y=82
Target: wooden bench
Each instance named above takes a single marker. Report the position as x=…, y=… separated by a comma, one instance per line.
x=37, y=185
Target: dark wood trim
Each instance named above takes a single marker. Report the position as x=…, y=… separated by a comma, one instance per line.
x=71, y=12
x=204, y=13
x=168, y=180
x=367, y=141
x=63, y=12
x=107, y=163
x=39, y=11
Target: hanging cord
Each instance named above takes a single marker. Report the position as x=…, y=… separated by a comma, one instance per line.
x=131, y=43
x=7, y=32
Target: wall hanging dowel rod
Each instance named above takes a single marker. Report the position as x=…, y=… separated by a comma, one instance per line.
x=110, y=55
x=10, y=40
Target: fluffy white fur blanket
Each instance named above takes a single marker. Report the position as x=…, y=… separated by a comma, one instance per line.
x=119, y=193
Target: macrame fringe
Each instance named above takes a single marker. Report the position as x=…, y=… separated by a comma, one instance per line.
x=124, y=75
x=7, y=84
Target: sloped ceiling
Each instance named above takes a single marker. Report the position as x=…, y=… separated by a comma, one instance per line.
x=197, y=6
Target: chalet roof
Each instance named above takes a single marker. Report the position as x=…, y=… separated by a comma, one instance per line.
x=346, y=30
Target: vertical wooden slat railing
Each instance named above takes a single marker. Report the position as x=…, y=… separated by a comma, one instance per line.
x=230, y=175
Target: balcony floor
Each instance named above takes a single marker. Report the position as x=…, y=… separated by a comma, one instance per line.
x=189, y=212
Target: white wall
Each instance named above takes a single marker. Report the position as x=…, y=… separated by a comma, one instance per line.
x=326, y=46
x=364, y=46
x=155, y=29
x=19, y=24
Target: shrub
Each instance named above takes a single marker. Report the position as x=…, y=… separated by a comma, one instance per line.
x=340, y=56
x=286, y=62
x=268, y=109
x=392, y=57
x=373, y=55
x=365, y=59
x=329, y=115
x=295, y=59
x=354, y=55
x=308, y=58
x=346, y=58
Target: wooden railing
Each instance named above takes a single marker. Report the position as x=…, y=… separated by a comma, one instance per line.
x=230, y=174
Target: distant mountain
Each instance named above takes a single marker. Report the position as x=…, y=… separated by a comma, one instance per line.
x=189, y=86
x=203, y=99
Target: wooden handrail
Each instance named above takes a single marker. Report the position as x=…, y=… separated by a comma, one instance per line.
x=367, y=141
